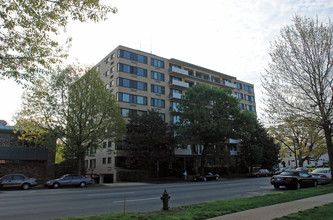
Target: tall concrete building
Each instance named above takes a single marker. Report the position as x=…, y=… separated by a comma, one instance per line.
x=142, y=81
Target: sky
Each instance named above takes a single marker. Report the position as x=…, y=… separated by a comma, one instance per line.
x=229, y=36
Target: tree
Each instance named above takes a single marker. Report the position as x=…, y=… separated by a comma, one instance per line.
x=148, y=141
x=209, y=116
x=298, y=81
x=260, y=149
x=29, y=29
x=81, y=112
x=302, y=137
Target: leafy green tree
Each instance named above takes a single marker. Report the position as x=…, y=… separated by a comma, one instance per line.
x=299, y=79
x=260, y=149
x=79, y=111
x=210, y=116
x=29, y=33
x=149, y=140
x=301, y=137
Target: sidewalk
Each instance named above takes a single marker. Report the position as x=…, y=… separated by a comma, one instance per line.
x=278, y=210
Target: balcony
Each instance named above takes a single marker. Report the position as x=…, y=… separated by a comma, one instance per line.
x=175, y=96
x=226, y=83
x=179, y=83
x=234, y=141
x=180, y=151
x=233, y=153
x=174, y=69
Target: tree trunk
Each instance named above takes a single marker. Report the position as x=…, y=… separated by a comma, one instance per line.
x=328, y=137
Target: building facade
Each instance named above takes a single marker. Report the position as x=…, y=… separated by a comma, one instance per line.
x=17, y=156
x=142, y=81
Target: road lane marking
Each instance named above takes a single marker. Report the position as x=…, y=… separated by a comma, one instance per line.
x=135, y=200
x=110, y=194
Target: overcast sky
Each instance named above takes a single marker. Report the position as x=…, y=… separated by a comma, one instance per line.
x=228, y=36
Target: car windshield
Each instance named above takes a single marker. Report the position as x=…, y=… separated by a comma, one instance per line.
x=288, y=173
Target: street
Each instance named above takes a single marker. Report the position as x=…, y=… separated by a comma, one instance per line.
x=70, y=202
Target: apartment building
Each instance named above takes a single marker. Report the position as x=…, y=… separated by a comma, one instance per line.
x=142, y=81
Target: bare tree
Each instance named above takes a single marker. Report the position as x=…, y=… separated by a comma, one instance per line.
x=298, y=80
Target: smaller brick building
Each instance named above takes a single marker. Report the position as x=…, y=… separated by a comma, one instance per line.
x=18, y=156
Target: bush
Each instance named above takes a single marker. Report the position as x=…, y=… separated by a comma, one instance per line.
x=131, y=175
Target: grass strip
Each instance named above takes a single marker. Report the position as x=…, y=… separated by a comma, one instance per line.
x=217, y=208
x=320, y=212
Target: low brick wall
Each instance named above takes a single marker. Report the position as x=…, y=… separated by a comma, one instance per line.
x=34, y=169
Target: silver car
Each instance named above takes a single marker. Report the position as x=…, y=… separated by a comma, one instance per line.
x=69, y=180
x=322, y=175
x=17, y=180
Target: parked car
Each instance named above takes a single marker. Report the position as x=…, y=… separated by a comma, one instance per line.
x=303, y=169
x=293, y=179
x=322, y=175
x=259, y=173
x=208, y=176
x=277, y=172
x=17, y=180
x=69, y=180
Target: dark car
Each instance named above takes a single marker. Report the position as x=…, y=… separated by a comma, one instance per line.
x=277, y=172
x=69, y=180
x=208, y=176
x=293, y=179
x=18, y=181
x=260, y=173
x=323, y=176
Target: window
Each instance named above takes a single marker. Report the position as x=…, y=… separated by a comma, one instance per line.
x=248, y=88
x=132, y=70
x=250, y=108
x=104, y=144
x=174, y=106
x=190, y=72
x=175, y=119
x=175, y=91
x=132, y=84
x=135, y=99
x=109, y=160
x=157, y=63
x=214, y=79
x=241, y=105
x=239, y=95
x=175, y=78
x=92, y=163
x=157, y=103
x=157, y=75
x=130, y=113
x=249, y=98
x=92, y=150
x=104, y=160
x=162, y=116
x=157, y=89
x=109, y=144
x=132, y=56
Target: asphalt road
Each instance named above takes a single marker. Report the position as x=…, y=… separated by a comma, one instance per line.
x=37, y=204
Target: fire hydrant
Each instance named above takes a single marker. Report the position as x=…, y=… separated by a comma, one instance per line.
x=165, y=199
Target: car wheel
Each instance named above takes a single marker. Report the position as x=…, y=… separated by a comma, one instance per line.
x=56, y=185
x=258, y=175
x=82, y=184
x=298, y=185
x=276, y=186
x=26, y=186
x=315, y=183
x=216, y=178
x=204, y=179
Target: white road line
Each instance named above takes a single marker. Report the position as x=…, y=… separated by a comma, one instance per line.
x=111, y=194
x=134, y=200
